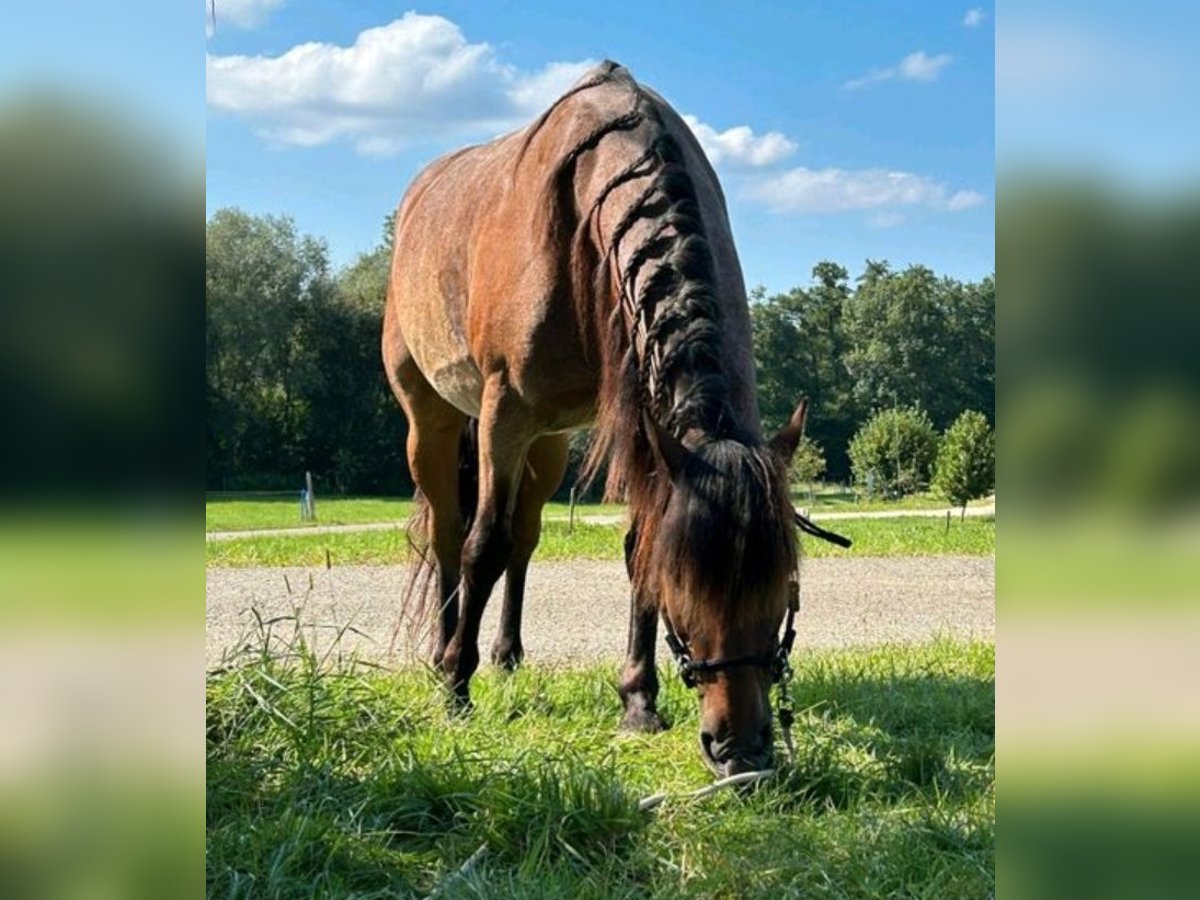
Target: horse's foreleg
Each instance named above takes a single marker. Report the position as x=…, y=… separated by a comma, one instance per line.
x=639, y=678
x=545, y=464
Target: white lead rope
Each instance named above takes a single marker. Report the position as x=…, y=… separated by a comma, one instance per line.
x=733, y=780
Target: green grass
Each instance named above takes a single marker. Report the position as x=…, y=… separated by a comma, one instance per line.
x=839, y=498
x=872, y=537
x=284, y=512
x=354, y=782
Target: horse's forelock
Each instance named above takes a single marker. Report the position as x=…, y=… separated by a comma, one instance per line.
x=722, y=529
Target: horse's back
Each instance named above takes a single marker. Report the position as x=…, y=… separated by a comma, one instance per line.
x=476, y=288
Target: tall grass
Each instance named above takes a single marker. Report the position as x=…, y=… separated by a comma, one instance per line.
x=341, y=779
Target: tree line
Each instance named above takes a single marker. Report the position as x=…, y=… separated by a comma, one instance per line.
x=294, y=381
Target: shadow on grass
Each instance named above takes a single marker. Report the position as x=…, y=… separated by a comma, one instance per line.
x=347, y=782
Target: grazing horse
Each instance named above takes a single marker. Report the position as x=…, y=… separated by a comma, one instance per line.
x=582, y=272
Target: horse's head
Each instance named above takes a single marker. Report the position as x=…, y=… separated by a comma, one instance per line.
x=722, y=564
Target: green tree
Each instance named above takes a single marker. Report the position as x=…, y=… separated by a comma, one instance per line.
x=809, y=462
x=892, y=453
x=914, y=339
x=799, y=350
x=265, y=288
x=966, y=460
x=293, y=374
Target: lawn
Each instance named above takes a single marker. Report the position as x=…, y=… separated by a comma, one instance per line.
x=231, y=514
x=284, y=512
x=872, y=537
x=353, y=782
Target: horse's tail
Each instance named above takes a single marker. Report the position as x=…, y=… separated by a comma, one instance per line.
x=423, y=579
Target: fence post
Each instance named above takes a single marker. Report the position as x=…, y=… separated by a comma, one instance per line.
x=571, y=513
x=312, y=503
x=947, y=521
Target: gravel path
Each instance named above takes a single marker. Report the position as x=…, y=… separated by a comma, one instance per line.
x=577, y=611
x=596, y=519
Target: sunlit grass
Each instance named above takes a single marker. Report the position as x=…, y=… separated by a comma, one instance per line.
x=354, y=781
x=872, y=537
x=231, y=514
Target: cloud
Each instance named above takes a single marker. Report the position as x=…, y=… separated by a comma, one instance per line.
x=886, y=219
x=974, y=18
x=739, y=146
x=918, y=66
x=832, y=190
x=415, y=79
x=245, y=14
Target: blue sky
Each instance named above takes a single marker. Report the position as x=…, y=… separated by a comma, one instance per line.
x=840, y=132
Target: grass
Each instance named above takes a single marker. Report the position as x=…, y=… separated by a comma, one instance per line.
x=841, y=498
x=284, y=512
x=352, y=781
x=872, y=537
x=227, y=514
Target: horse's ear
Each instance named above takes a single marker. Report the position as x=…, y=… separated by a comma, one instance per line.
x=788, y=437
x=665, y=445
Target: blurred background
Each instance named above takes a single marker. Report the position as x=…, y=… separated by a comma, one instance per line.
x=101, y=652
x=1098, y=228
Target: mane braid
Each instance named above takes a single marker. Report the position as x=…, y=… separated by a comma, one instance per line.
x=668, y=351
x=724, y=524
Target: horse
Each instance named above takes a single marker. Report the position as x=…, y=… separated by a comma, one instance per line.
x=581, y=273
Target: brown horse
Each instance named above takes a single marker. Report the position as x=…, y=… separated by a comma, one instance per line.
x=581, y=272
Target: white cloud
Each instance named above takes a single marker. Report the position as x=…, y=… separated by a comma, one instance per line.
x=414, y=79
x=740, y=146
x=832, y=190
x=974, y=18
x=918, y=66
x=244, y=14
x=886, y=219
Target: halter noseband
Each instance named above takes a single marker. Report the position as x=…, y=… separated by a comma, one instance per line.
x=777, y=662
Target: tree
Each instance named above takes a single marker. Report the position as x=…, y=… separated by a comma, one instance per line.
x=799, y=350
x=966, y=460
x=293, y=373
x=914, y=339
x=892, y=453
x=808, y=463
x=265, y=288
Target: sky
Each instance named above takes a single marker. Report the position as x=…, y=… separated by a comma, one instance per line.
x=841, y=131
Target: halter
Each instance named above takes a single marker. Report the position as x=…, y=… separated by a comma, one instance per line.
x=778, y=662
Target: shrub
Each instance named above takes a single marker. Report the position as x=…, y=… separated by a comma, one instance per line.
x=892, y=453
x=966, y=460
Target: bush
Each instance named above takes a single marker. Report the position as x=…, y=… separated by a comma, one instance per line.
x=966, y=460
x=893, y=452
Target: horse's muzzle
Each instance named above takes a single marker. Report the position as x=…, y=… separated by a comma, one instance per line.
x=732, y=757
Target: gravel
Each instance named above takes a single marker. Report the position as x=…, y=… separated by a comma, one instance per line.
x=577, y=611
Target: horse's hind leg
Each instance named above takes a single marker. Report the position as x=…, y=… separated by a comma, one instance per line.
x=435, y=430
x=544, y=467
x=503, y=443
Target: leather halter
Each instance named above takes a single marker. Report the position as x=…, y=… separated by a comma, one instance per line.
x=777, y=662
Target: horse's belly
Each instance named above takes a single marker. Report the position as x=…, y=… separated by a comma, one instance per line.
x=459, y=382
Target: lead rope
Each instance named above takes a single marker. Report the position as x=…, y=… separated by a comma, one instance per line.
x=783, y=681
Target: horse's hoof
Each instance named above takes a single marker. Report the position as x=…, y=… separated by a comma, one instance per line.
x=458, y=700
x=643, y=721
x=508, y=658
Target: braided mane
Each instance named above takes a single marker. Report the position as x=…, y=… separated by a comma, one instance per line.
x=648, y=285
